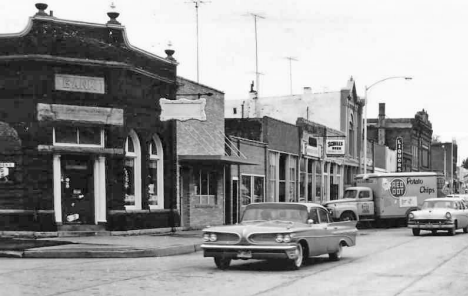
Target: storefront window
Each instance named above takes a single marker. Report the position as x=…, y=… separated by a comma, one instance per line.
x=272, y=168
x=302, y=180
x=155, y=174
x=310, y=174
x=252, y=189
x=318, y=182
x=292, y=178
x=205, y=187
x=132, y=172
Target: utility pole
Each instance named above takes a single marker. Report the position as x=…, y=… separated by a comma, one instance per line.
x=290, y=72
x=257, y=74
x=197, y=4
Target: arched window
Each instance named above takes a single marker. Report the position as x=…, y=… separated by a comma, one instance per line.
x=132, y=172
x=155, y=174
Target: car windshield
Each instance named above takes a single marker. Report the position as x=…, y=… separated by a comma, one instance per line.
x=274, y=212
x=438, y=204
x=350, y=194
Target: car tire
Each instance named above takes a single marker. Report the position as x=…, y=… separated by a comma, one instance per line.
x=222, y=263
x=297, y=263
x=452, y=231
x=347, y=216
x=416, y=231
x=434, y=232
x=465, y=230
x=337, y=255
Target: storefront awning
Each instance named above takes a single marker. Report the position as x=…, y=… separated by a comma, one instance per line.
x=220, y=159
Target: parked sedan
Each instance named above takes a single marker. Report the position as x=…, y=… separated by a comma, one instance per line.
x=289, y=231
x=447, y=213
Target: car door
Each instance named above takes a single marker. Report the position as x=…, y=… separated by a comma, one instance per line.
x=462, y=215
x=365, y=204
x=317, y=233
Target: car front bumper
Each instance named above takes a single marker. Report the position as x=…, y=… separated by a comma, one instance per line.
x=250, y=252
x=442, y=225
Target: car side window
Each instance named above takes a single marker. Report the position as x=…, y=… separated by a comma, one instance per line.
x=314, y=216
x=323, y=216
x=364, y=194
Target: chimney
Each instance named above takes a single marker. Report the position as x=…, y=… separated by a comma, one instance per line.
x=307, y=90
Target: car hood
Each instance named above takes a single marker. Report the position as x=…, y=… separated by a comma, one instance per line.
x=430, y=214
x=251, y=227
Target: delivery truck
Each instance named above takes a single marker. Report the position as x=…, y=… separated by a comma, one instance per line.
x=386, y=197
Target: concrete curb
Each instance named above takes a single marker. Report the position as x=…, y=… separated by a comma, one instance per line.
x=110, y=252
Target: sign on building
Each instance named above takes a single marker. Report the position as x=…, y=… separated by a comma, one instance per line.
x=399, y=153
x=335, y=147
x=79, y=83
x=183, y=109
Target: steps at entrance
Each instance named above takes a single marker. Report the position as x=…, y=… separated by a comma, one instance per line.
x=81, y=230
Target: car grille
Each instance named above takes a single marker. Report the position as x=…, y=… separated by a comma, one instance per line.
x=431, y=221
x=263, y=238
x=227, y=238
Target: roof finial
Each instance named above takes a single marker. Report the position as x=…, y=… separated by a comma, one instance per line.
x=41, y=7
x=113, y=14
x=169, y=51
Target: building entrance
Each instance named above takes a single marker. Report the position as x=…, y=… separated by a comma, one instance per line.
x=77, y=180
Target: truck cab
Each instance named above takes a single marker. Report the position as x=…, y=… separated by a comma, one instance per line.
x=357, y=204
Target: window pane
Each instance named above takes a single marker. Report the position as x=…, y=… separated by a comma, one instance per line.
x=204, y=183
x=66, y=135
x=153, y=182
x=130, y=146
x=213, y=183
x=90, y=135
x=246, y=194
x=258, y=189
x=153, y=149
x=323, y=216
x=129, y=182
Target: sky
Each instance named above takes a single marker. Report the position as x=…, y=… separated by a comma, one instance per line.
x=302, y=43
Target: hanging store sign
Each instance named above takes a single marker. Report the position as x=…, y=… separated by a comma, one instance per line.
x=309, y=150
x=335, y=147
x=183, y=109
x=399, y=153
x=79, y=83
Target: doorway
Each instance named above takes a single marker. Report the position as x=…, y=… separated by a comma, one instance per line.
x=77, y=186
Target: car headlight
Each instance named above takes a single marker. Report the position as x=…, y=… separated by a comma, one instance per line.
x=279, y=238
x=448, y=215
x=283, y=238
x=213, y=237
x=411, y=216
x=206, y=237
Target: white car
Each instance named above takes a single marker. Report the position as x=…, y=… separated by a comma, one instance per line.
x=446, y=213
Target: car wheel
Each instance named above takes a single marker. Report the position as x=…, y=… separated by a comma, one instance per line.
x=337, y=255
x=416, y=231
x=297, y=263
x=452, y=231
x=434, y=232
x=222, y=263
x=347, y=216
x=465, y=230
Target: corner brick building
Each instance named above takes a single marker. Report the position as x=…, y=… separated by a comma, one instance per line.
x=82, y=146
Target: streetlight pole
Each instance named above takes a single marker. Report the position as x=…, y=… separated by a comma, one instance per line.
x=365, y=113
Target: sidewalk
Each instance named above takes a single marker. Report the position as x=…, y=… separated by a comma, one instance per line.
x=128, y=246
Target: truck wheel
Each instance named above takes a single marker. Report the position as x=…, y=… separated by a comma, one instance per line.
x=416, y=231
x=347, y=216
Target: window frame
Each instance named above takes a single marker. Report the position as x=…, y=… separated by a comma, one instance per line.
x=136, y=156
x=159, y=159
x=55, y=143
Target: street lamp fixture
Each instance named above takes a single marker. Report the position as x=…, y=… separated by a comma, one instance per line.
x=365, y=113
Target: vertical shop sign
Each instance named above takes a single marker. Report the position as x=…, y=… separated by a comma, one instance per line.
x=399, y=150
